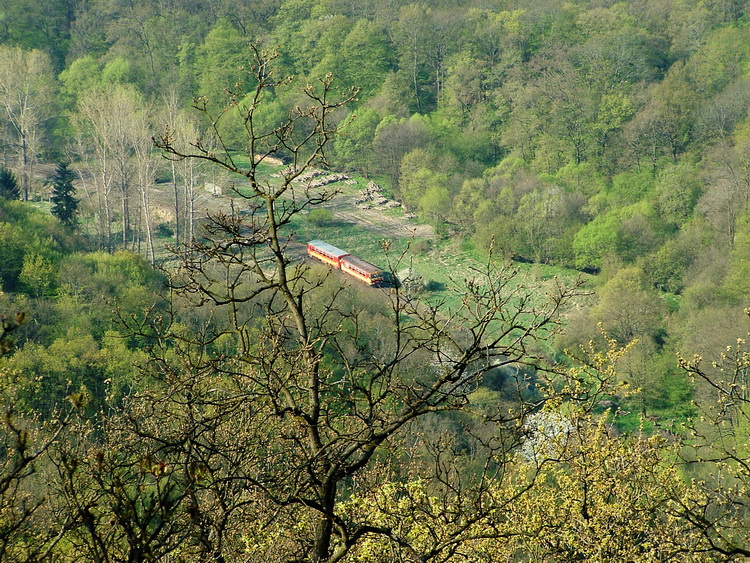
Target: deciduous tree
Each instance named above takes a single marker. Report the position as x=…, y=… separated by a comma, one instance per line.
x=106, y=124
x=25, y=96
x=324, y=398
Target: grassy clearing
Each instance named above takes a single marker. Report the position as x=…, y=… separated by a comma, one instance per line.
x=443, y=264
x=349, y=236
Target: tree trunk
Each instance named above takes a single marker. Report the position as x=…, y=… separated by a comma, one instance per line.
x=125, y=214
x=147, y=220
x=324, y=527
x=24, y=168
x=190, y=204
x=176, y=204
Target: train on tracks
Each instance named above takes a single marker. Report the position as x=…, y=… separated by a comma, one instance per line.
x=349, y=264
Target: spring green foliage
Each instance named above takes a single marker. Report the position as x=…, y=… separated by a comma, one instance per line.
x=607, y=137
x=218, y=61
x=24, y=233
x=72, y=341
x=584, y=136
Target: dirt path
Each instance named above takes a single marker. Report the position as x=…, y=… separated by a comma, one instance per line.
x=384, y=222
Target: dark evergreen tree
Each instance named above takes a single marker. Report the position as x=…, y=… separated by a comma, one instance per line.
x=64, y=205
x=8, y=184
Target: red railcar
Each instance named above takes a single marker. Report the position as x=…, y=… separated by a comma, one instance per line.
x=355, y=267
x=363, y=271
x=326, y=252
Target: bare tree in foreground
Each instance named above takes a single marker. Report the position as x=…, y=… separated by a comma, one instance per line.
x=293, y=397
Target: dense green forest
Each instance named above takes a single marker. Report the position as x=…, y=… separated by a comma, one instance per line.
x=178, y=385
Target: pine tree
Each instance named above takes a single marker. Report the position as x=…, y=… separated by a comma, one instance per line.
x=8, y=184
x=64, y=205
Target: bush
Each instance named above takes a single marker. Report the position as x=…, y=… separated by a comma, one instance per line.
x=165, y=231
x=320, y=217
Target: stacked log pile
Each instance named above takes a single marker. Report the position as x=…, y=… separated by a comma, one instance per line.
x=325, y=180
x=315, y=178
x=374, y=193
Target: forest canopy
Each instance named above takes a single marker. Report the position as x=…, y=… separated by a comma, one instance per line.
x=575, y=382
